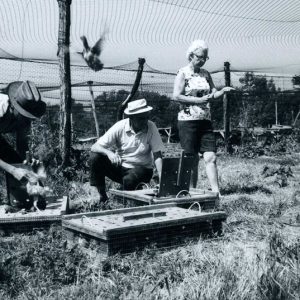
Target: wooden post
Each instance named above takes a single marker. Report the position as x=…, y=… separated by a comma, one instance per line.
x=65, y=79
x=133, y=90
x=90, y=83
x=276, y=113
x=297, y=116
x=226, y=117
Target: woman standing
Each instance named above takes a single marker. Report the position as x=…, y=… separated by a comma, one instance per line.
x=194, y=89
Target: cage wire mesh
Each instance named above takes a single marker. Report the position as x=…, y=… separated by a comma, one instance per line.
x=46, y=76
x=112, y=85
x=28, y=49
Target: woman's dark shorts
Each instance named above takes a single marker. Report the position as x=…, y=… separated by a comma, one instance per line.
x=197, y=136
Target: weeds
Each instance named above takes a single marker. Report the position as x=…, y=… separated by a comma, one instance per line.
x=280, y=276
x=40, y=261
x=254, y=259
x=239, y=182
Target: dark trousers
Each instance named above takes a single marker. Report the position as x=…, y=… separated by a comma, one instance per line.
x=101, y=167
x=9, y=155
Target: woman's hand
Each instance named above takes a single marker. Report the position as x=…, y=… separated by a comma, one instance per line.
x=211, y=96
x=220, y=93
x=203, y=100
x=227, y=89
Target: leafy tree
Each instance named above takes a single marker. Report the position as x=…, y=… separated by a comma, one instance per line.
x=296, y=80
x=257, y=107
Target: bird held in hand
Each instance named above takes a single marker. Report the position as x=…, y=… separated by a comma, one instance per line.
x=92, y=54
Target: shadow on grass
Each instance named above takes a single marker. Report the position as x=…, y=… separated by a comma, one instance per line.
x=245, y=204
x=237, y=188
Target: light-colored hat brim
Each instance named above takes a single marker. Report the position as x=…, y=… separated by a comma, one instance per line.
x=138, y=111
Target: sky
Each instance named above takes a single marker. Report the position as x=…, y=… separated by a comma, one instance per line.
x=257, y=35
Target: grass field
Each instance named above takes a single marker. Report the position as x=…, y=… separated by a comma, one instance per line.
x=257, y=257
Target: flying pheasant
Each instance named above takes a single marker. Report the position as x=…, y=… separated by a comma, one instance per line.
x=92, y=54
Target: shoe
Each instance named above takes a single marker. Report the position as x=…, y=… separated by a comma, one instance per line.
x=10, y=209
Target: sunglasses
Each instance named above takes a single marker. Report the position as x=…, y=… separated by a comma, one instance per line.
x=205, y=58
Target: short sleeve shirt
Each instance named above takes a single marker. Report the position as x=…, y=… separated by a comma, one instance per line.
x=198, y=85
x=135, y=149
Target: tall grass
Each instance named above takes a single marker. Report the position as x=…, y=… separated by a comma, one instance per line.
x=256, y=258
x=211, y=269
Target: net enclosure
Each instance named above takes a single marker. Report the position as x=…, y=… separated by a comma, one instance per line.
x=260, y=37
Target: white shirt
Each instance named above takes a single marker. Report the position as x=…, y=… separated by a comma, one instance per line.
x=135, y=149
x=3, y=104
x=195, y=84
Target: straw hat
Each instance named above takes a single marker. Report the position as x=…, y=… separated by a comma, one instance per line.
x=137, y=107
x=26, y=99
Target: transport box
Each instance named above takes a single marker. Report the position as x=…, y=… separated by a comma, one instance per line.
x=174, y=187
x=207, y=199
x=21, y=221
x=126, y=230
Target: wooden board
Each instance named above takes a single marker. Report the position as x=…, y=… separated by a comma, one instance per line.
x=22, y=222
x=207, y=199
x=176, y=175
x=124, y=230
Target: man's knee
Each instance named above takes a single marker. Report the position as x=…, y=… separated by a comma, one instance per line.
x=129, y=184
x=93, y=157
x=96, y=158
x=131, y=181
x=135, y=177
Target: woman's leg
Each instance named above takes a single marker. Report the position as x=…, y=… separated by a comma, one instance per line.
x=194, y=177
x=208, y=148
x=210, y=160
x=190, y=142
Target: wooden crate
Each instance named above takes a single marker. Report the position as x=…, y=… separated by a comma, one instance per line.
x=129, y=229
x=22, y=222
x=206, y=199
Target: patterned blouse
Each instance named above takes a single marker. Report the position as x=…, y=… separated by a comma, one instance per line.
x=198, y=85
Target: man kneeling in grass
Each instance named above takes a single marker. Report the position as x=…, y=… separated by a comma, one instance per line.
x=124, y=152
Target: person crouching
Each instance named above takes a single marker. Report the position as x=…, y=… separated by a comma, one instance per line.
x=125, y=153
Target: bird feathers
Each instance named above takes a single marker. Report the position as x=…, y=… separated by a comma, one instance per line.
x=92, y=54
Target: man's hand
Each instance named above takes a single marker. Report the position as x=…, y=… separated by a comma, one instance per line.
x=21, y=174
x=37, y=167
x=114, y=158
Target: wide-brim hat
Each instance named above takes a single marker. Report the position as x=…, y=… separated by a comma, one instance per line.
x=26, y=99
x=137, y=107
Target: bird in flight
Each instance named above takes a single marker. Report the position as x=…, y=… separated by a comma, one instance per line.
x=92, y=54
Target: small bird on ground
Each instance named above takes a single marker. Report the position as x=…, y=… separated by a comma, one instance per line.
x=92, y=54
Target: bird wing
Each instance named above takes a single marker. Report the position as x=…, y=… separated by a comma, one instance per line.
x=85, y=43
x=97, y=48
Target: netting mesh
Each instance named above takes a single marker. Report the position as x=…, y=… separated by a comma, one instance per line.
x=260, y=37
x=46, y=77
